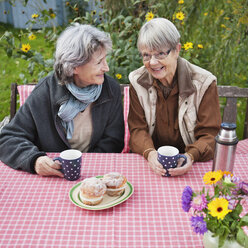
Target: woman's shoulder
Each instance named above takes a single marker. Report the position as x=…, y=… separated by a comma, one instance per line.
x=195, y=69
x=134, y=75
x=198, y=73
x=111, y=83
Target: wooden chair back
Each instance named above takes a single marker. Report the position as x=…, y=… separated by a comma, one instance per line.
x=230, y=93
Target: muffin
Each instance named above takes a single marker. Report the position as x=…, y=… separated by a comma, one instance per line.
x=115, y=183
x=92, y=190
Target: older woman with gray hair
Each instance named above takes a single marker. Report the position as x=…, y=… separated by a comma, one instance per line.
x=78, y=106
x=172, y=102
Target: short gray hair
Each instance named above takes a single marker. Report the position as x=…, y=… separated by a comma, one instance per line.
x=75, y=47
x=157, y=34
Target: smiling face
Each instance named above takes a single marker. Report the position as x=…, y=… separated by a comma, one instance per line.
x=93, y=71
x=162, y=69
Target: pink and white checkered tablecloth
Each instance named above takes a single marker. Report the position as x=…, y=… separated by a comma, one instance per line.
x=242, y=147
x=36, y=211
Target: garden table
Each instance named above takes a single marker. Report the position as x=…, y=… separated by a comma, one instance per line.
x=36, y=211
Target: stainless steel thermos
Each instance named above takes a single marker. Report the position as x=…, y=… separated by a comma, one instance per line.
x=225, y=148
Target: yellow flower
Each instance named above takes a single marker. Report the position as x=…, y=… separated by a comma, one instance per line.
x=149, y=16
x=223, y=25
x=225, y=173
x=119, y=76
x=188, y=45
x=93, y=12
x=205, y=14
x=212, y=177
x=227, y=18
x=25, y=47
x=34, y=16
x=32, y=37
x=219, y=208
x=52, y=15
x=180, y=15
x=180, y=2
x=200, y=46
x=67, y=3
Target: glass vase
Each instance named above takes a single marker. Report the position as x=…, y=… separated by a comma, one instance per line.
x=213, y=242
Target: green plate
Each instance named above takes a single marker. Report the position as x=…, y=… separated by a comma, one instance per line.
x=107, y=202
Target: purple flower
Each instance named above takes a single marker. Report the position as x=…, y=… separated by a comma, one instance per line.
x=231, y=180
x=186, y=198
x=199, y=225
x=231, y=202
x=244, y=187
x=199, y=202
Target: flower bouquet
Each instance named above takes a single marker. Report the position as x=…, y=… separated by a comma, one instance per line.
x=219, y=208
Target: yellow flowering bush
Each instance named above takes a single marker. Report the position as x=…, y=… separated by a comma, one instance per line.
x=118, y=76
x=149, y=16
x=188, y=45
x=180, y=15
x=25, y=47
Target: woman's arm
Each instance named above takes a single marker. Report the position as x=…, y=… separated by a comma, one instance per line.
x=207, y=126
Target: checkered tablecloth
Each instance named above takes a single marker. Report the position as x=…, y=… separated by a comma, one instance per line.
x=36, y=211
x=242, y=147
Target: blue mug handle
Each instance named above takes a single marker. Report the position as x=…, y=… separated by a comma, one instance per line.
x=185, y=159
x=57, y=158
x=60, y=160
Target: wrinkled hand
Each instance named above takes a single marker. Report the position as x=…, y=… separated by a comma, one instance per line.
x=181, y=170
x=154, y=164
x=45, y=166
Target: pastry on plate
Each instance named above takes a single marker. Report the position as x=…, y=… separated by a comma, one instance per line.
x=92, y=190
x=115, y=183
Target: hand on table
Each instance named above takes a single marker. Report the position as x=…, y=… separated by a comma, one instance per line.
x=159, y=170
x=154, y=164
x=181, y=170
x=45, y=166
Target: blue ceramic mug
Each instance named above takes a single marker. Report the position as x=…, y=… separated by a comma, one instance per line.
x=70, y=164
x=168, y=156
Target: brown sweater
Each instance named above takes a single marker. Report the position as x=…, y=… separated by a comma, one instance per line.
x=166, y=130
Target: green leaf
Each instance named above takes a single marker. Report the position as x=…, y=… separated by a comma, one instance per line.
x=244, y=220
x=9, y=52
x=242, y=238
x=31, y=68
x=196, y=61
x=128, y=19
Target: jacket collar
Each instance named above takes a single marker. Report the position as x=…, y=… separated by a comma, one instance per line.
x=184, y=80
x=185, y=86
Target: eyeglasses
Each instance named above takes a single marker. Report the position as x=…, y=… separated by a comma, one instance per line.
x=158, y=56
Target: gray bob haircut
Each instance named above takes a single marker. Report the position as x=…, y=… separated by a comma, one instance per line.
x=157, y=34
x=75, y=46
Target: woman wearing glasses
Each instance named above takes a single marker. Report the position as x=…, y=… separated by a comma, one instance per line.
x=172, y=102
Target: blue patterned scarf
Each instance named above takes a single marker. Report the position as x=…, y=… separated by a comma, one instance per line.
x=78, y=101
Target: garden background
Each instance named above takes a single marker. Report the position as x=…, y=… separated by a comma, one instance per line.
x=214, y=35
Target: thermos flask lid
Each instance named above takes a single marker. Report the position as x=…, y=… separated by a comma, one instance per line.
x=228, y=126
x=227, y=134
